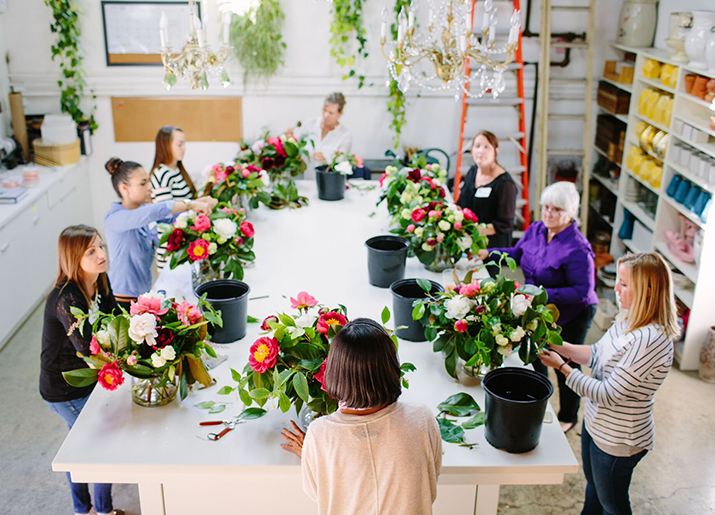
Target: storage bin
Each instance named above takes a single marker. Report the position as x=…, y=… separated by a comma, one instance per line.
x=56, y=155
x=613, y=99
x=619, y=71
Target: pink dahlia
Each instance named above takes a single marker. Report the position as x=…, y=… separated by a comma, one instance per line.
x=202, y=224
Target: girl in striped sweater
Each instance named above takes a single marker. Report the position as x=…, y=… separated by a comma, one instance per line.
x=628, y=365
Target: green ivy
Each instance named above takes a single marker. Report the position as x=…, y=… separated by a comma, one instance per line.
x=257, y=41
x=347, y=19
x=66, y=25
x=396, y=103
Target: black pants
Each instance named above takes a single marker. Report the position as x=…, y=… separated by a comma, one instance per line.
x=574, y=331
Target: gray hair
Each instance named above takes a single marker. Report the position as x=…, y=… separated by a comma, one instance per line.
x=562, y=195
x=337, y=99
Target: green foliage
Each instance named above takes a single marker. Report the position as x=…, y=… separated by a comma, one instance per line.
x=66, y=25
x=347, y=19
x=257, y=41
x=458, y=405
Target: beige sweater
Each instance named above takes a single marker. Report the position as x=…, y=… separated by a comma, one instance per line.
x=386, y=463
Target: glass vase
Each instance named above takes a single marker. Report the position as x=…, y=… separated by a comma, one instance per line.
x=306, y=416
x=442, y=260
x=150, y=394
x=202, y=272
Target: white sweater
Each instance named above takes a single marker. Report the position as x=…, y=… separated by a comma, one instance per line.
x=385, y=463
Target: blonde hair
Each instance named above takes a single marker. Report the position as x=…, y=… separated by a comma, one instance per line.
x=653, y=301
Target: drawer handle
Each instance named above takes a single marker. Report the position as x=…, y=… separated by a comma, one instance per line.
x=5, y=246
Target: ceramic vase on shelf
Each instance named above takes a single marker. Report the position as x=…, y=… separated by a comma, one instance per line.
x=680, y=24
x=637, y=23
x=710, y=51
x=695, y=42
x=153, y=391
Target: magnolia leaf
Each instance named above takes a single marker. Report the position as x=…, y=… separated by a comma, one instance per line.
x=245, y=398
x=424, y=284
x=81, y=377
x=419, y=311
x=459, y=405
x=259, y=393
x=555, y=338
x=198, y=370
x=450, y=431
x=225, y=390
x=218, y=408
x=555, y=314
x=450, y=363
x=76, y=312
x=300, y=383
x=283, y=402
x=385, y=315
x=205, y=405
x=474, y=422
x=209, y=350
x=118, y=334
x=251, y=414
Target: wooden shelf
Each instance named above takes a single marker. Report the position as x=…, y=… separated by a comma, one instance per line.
x=690, y=176
x=596, y=206
x=640, y=214
x=689, y=270
x=696, y=100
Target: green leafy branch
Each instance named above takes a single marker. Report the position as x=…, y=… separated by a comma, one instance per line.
x=347, y=19
x=460, y=405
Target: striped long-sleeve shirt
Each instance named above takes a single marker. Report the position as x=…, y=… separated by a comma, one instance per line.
x=166, y=185
x=626, y=370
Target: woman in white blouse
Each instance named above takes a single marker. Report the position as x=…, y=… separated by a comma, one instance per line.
x=327, y=134
x=627, y=366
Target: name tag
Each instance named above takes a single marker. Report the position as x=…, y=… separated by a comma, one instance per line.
x=483, y=192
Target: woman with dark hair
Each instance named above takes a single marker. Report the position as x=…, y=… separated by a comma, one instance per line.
x=375, y=454
x=489, y=191
x=132, y=240
x=169, y=178
x=82, y=283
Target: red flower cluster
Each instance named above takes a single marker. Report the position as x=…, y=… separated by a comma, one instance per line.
x=469, y=215
x=414, y=175
x=331, y=318
x=263, y=354
x=278, y=144
x=164, y=338
x=265, y=326
x=176, y=240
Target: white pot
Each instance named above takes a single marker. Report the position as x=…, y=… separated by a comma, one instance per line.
x=703, y=22
x=710, y=51
x=637, y=24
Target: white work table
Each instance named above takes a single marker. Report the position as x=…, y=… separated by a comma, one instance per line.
x=318, y=249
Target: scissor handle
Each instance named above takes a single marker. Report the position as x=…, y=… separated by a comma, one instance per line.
x=214, y=436
x=211, y=423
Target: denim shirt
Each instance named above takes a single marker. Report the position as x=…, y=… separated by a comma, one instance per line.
x=563, y=266
x=131, y=243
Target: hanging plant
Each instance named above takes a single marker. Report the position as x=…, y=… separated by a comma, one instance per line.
x=397, y=103
x=347, y=19
x=65, y=16
x=257, y=41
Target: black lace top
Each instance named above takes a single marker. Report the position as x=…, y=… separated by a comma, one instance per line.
x=59, y=351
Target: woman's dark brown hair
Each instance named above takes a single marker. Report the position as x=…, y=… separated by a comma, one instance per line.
x=164, y=155
x=363, y=370
x=121, y=172
x=73, y=243
x=491, y=138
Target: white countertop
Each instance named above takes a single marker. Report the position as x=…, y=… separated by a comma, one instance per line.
x=319, y=249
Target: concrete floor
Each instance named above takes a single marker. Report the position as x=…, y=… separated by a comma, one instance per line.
x=678, y=477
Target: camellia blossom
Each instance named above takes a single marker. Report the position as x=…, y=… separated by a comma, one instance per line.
x=320, y=376
x=304, y=300
x=519, y=304
x=198, y=250
x=221, y=175
x=470, y=290
x=147, y=303
x=458, y=307
x=461, y=326
x=263, y=354
x=414, y=175
x=188, y=313
x=344, y=168
x=94, y=347
x=469, y=215
x=418, y=215
x=505, y=350
x=501, y=340
x=168, y=353
x=110, y=376
x=331, y=318
x=142, y=328
x=305, y=320
x=517, y=334
x=175, y=241
x=265, y=326
x=247, y=229
x=411, y=228
x=182, y=221
x=157, y=361
x=202, y=224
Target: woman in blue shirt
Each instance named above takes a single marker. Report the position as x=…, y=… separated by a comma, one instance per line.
x=130, y=228
x=555, y=255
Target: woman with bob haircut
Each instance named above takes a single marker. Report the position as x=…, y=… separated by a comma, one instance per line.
x=554, y=254
x=375, y=454
x=628, y=365
x=82, y=283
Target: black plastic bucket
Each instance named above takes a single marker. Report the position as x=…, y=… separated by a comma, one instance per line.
x=231, y=298
x=514, y=407
x=331, y=185
x=404, y=293
x=386, y=256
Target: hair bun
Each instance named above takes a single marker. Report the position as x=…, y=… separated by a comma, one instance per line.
x=113, y=164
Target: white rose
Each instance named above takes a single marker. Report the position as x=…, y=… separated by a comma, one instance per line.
x=419, y=231
x=427, y=248
x=390, y=169
x=496, y=329
x=505, y=350
x=182, y=221
x=519, y=304
x=517, y=334
x=168, y=353
x=212, y=248
x=406, y=214
x=502, y=340
x=406, y=197
x=258, y=146
x=458, y=216
x=465, y=242
x=444, y=225
x=305, y=320
x=225, y=228
x=344, y=167
x=143, y=328
x=157, y=361
x=458, y=307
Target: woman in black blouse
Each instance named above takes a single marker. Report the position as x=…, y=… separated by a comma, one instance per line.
x=489, y=191
x=81, y=282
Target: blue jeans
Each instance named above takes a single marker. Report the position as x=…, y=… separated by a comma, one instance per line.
x=607, y=479
x=69, y=411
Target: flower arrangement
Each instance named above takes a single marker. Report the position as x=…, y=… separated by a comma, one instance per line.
x=483, y=321
x=223, y=240
x=343, y=163
x=412, y=186
x=233, y=182
x=287, y=363
x=158, y=338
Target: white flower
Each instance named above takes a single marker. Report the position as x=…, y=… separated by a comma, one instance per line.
x=157, y=361
x=519, y=304
x=505, y=350
x=225, y=228
x=437, y=182
x=458, y=215
x=419, y=231
x=168, y=353
x=212, y=248
x=419, y=200
x=445, y=225
x=427, y=248
x=465, y=242
x=496, y=329
x=390, y=169
x=305, y=320
x=488, y=286
x=406, y=214
x=502, y=340
x=458, y=307
x=531, y=326
x=283, y=138
x=154, y=295
x=406, y=197
x=143, y=328
x=103, y=338
x=258, y=146
x=517, y=334
x=344, y=168
x=182, y=221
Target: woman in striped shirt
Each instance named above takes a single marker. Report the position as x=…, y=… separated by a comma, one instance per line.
x=169, y=179
x=627, y=366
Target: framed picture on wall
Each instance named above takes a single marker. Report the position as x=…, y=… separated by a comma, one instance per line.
x=131, y=30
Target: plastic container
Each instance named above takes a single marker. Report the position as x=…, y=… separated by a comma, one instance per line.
x=386, y=257
x=514, y=408
x=58, y=129
x=404, y=293
x=331, y=185
x=231, y=298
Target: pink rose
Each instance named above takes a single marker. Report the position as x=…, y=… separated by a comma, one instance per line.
x=202, y=224
x=94, y=347
x=461, y=326
x=188, y=313
x=458, y=226
x=221, y=175
x=304, y=300
x=470, y=290
x=411, y=228
x=469, y=215
x=110, y=376
x=245, y=173
x=435, y=214
x=247, y=229
x=418, y=215
x=147, y=305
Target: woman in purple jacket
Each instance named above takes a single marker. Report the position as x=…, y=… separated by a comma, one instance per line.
x=554, y=254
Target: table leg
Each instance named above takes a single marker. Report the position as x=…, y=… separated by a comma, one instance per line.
x=151, y=498
x=487, y=500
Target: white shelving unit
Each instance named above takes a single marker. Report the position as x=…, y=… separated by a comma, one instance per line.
x=695, y=112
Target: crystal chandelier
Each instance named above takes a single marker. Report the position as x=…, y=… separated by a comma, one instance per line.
x=448, y=44
x=196, y=61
